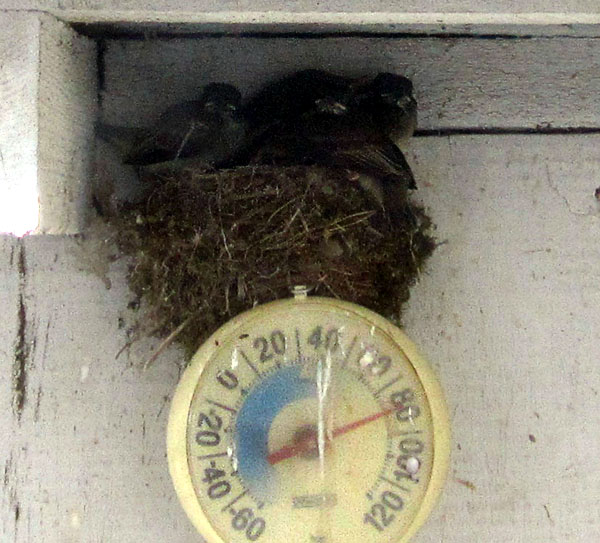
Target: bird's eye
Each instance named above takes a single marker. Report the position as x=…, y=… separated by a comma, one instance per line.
x=231, y=107
x=209, y=105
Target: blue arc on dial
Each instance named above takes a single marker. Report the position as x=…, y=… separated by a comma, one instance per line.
x=254, y=419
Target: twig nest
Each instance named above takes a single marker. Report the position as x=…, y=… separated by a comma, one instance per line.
x=207, y=246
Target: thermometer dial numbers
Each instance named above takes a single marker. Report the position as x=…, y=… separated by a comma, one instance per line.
x=306, y=425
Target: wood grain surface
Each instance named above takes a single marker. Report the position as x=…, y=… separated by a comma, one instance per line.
x=48, y=93
x=505, y=7
x=507, y=312
x=67, y=97
x=19, y=62
x=460, y=82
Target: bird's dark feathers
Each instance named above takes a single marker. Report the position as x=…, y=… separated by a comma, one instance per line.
x=292, y=96
x=177, y=133
x=388, y=99
x=387, y=163
x=210, y=129
x=351, y=141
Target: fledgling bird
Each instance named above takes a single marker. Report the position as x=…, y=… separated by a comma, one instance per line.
x=210, y=130
x=389, y=100
x=292, y=96
x=340, y=130
x=352, y=125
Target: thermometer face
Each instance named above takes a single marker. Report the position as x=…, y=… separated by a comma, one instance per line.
x=310, y=421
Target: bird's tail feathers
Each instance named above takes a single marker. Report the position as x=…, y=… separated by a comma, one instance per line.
x=121, y=137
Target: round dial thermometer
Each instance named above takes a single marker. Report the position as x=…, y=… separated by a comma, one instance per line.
x=308, y=420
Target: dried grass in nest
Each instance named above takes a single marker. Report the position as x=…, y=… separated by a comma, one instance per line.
x=209, y=246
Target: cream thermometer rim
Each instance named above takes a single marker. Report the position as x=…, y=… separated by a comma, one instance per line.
x=182, y=399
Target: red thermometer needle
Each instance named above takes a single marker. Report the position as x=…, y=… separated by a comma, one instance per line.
x=310, y=442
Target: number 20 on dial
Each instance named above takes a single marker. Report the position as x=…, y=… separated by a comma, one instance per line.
x=308, y=420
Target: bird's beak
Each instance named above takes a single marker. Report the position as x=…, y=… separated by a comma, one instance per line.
x=329, y=105
x=406, y=103
x=338, y=108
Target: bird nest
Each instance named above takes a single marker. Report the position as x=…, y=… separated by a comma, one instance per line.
x=207, y=246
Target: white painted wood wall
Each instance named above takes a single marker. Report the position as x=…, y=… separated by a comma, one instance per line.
x=507, y=311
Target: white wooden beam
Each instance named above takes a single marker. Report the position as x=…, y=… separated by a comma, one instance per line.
x=67, y=112
x=19, y=63
x=417, y=18
x=538, y=17
x=459, y=8
x=48, y=96
x=460, y=83
x=508, y=312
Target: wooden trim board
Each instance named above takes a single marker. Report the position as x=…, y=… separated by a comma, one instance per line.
x=460, y=82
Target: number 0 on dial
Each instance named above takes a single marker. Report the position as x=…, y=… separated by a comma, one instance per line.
x=308, y=420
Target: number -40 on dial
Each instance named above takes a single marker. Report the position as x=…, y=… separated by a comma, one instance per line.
x=308, y=420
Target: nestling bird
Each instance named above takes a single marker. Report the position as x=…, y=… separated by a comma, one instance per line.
x=389, y=99
x=210, y=130
x=342, y=129
x=293, y=95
